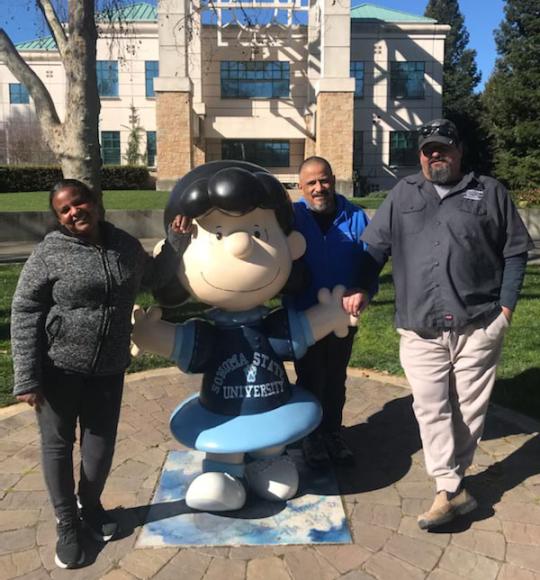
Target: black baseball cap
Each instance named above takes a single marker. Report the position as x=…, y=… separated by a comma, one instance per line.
x=438, y=131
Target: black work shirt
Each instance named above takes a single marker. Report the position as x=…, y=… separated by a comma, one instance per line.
x=447, y=254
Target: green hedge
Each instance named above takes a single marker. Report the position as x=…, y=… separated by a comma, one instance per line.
x=42, y=178
x=527, y=197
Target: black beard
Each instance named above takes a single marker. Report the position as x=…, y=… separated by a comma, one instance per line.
x=440, y=175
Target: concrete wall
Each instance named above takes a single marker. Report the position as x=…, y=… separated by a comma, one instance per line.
x=33, y=225
x=531, y=218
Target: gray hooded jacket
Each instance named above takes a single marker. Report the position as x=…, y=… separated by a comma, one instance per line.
x=73, y=302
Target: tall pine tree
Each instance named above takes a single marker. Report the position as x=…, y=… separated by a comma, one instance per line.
x=512, y=96
x=460, y=78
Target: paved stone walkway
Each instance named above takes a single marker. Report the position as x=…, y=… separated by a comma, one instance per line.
x=382, y=497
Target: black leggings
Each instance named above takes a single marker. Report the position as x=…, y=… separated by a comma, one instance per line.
x=95, y=402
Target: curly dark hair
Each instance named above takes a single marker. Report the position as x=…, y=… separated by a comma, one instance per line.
x=77, y=186
x=231, y=186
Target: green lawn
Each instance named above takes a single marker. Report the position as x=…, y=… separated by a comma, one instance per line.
x=371, y=202
x=128, y=199
x=376, y=344
x=8, y=281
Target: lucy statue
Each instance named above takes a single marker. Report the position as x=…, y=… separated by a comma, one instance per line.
x=238, y=254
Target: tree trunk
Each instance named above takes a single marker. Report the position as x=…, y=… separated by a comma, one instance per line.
x=80, y=157
x=75, y=142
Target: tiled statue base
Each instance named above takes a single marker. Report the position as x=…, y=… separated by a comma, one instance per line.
x=315, y=516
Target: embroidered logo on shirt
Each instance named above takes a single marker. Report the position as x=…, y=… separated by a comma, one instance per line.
x=474, y=194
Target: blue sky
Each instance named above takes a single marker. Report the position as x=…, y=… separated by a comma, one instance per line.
x=23, y=22
x=481, y=19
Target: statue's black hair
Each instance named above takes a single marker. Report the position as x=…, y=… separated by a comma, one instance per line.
x=231, y=186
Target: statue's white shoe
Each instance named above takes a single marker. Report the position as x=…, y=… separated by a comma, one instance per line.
x=274, y=479
x=216, y=492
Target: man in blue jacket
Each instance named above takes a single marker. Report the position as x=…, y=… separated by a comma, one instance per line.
x=332, y=227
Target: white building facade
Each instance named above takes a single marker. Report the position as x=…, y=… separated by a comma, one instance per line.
x=352, y=85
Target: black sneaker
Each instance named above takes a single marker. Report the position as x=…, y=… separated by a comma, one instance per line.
x=314, y=449
x=99, y=523
x=69, y=552
x=338, y=450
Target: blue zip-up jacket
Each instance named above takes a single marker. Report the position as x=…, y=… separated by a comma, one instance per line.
x=336, y=257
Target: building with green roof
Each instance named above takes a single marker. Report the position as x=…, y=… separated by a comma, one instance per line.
x=351, y=83
x=367, y=11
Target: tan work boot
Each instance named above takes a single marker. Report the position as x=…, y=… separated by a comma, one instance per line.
x=463, y=502
x=446, y=507
x=440, y=512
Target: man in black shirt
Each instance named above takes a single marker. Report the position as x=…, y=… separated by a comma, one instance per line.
x=459, y=250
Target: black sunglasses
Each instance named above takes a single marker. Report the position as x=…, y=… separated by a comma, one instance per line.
x=442, y=130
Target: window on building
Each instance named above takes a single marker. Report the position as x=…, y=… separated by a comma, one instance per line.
x=151, y=148
x=358, y=161
x=358, y=150
x=404, y=148
x=110, y=147
x=357, y=73
x=107, y=78
x=407, y=80
x=18, y=94
x=265, y=153
x=254, y=79
x=151, y=71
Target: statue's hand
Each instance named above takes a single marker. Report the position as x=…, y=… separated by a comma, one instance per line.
x=147, y=329
x=332, y=302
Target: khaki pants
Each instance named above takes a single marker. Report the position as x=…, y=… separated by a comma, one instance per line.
x=451, y=374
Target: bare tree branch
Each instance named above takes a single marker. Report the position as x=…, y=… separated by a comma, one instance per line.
x=43, y=103
x=55, y=25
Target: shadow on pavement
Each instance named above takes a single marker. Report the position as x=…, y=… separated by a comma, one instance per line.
x=129, y=519
x=382, y=446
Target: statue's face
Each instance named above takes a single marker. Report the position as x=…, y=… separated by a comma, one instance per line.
x=237, y=262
